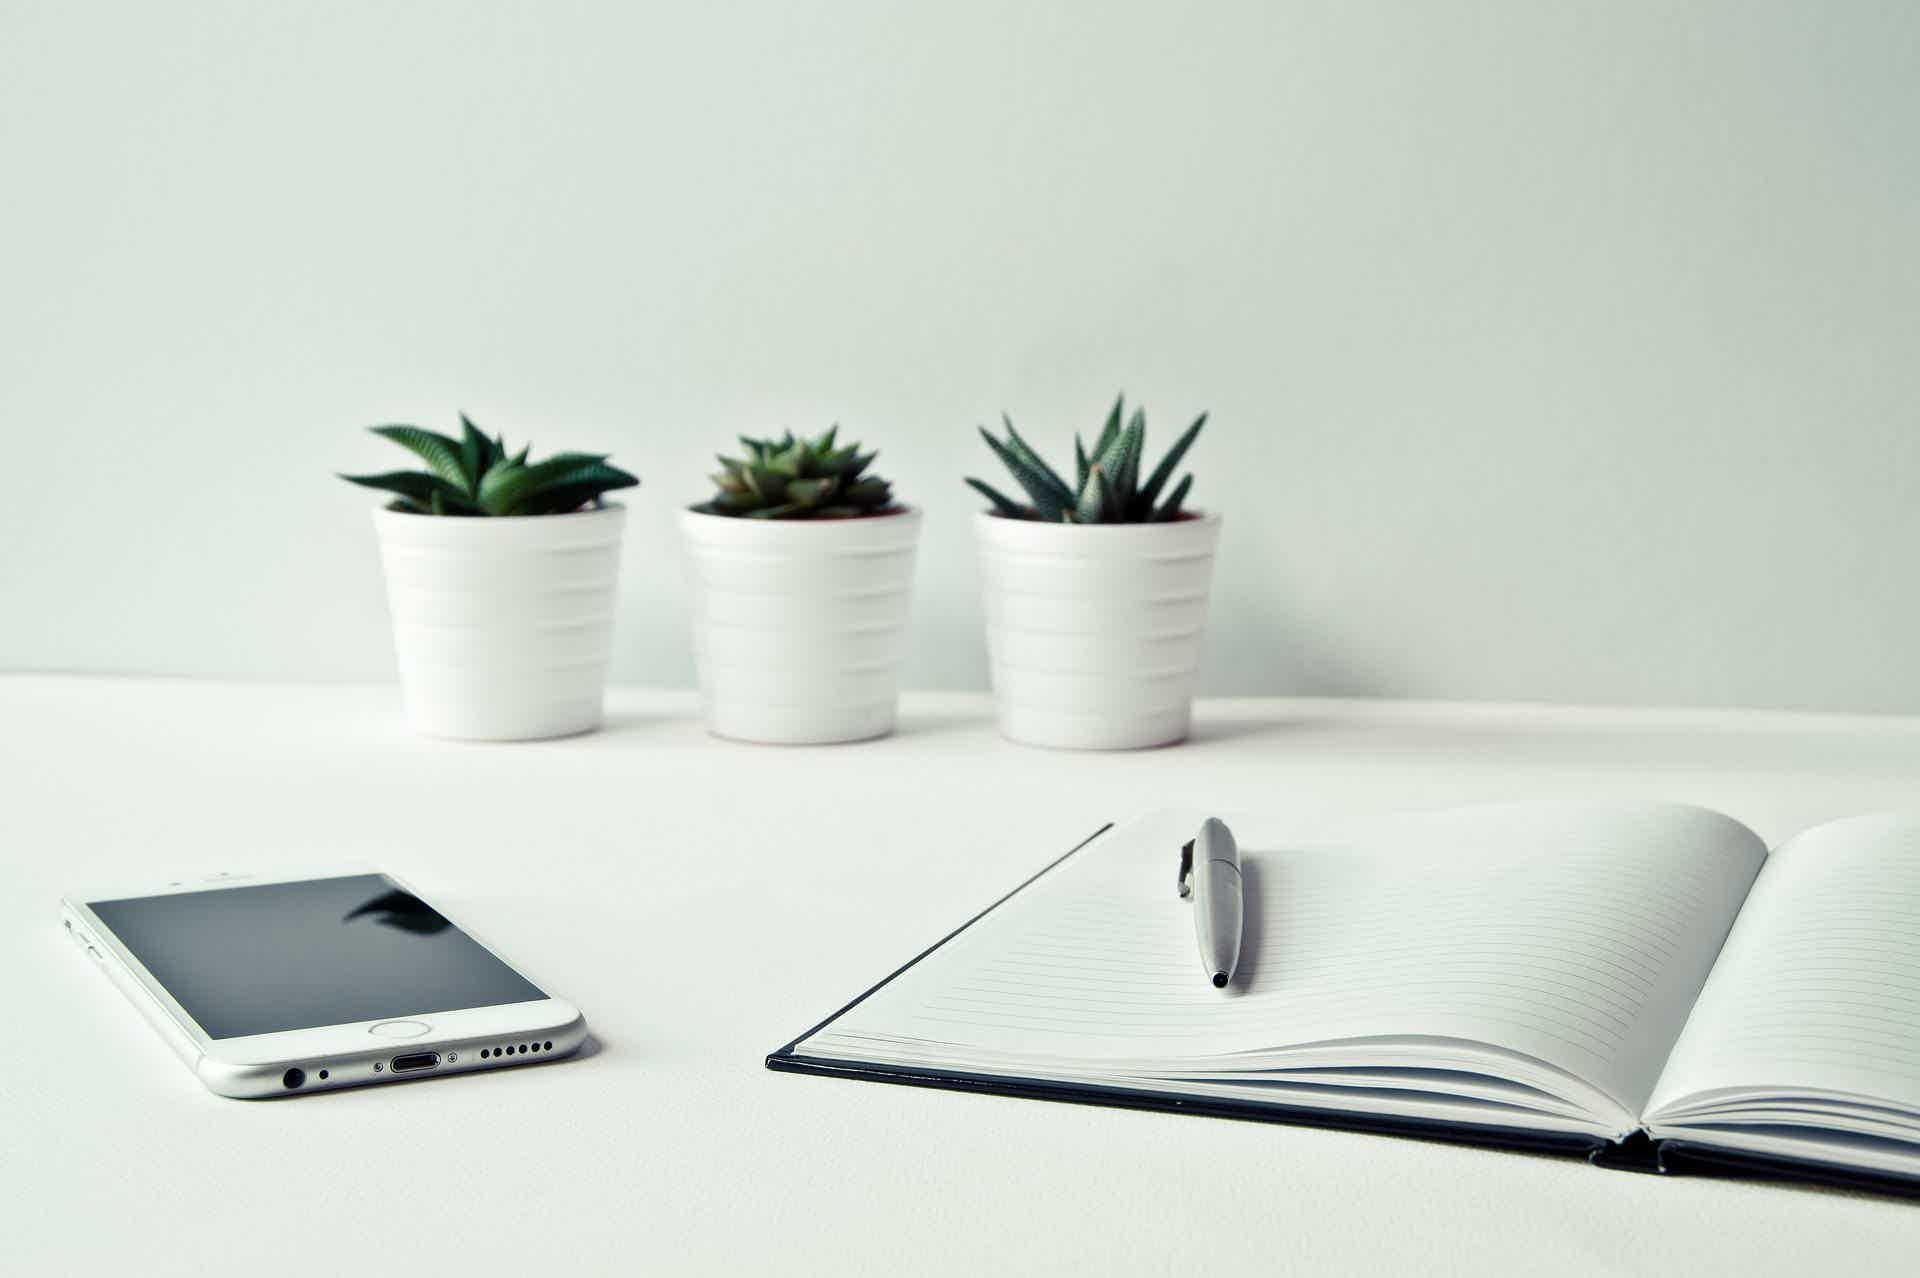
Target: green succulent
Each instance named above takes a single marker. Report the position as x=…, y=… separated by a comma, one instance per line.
x=792, y=478
x=474, y=475
x=1107, y=487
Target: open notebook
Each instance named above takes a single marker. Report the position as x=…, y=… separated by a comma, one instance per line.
x=1640, y=981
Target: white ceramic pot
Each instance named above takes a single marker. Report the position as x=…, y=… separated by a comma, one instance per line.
x=800, y=625
x=502, y=626
x=1094, y=630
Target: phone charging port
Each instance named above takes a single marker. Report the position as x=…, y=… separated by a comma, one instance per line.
x=414, y=1061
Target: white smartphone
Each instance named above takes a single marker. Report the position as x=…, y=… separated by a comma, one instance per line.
x=280, y=986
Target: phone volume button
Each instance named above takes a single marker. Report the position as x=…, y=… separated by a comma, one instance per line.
x=94, y=952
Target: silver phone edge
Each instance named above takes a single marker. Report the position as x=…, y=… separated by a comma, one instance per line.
x=265, y=1080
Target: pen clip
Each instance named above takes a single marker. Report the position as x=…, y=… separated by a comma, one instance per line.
x=1186, y=869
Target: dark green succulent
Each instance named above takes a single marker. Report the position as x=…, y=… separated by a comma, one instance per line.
x=474, y=475
x=1107, y=487
x=789, y=478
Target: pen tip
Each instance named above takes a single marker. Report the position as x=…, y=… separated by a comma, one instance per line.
x=1219, y=980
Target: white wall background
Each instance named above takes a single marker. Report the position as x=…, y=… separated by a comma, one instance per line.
x=1559, y=351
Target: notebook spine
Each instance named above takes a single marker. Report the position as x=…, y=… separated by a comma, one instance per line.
x=1671, y=1157
x=1686, y=1157
x=1637, y=1152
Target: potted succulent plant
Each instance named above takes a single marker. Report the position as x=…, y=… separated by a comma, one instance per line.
x=801, y=566
x=501, y=575
x=1096, y=593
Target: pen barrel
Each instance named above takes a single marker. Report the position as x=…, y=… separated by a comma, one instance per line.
x=1218, y=915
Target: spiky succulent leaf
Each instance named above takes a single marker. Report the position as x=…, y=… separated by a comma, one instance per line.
x=1048, y=500
x=503, y=488
x=767, y=485
x=473, y=475
x=1002, y=503
x=848, y=463
x=417, y=488
x=1125, y=473
x=798, y=478
x=1109, y=462
x=1112, y=426
x=1150, y=491
x=1096, y=499
x=1107, y=488
x=793, y=461
x=476, y=453
x=869, y=492
x=572, y=489
x=1025, y=452
x=442, y=455
x=811, y=492
x=1171, y=509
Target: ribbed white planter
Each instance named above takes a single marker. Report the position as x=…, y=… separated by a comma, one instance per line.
x=800, y=625
x=502, y=626
x=1094, y=630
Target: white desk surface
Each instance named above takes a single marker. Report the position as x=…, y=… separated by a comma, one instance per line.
x=671, y=1148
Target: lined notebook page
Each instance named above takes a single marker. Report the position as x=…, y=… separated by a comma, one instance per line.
x=1818, y=988
x=1576, y=933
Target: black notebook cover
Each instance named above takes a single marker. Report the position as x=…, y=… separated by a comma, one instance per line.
x=1636, y=1153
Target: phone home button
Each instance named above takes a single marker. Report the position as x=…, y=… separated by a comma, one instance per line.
x=399, y=1029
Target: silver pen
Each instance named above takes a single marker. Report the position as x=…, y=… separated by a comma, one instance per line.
x=1210, y=874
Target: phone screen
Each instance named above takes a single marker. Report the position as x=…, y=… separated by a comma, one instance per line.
x=268, y=957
